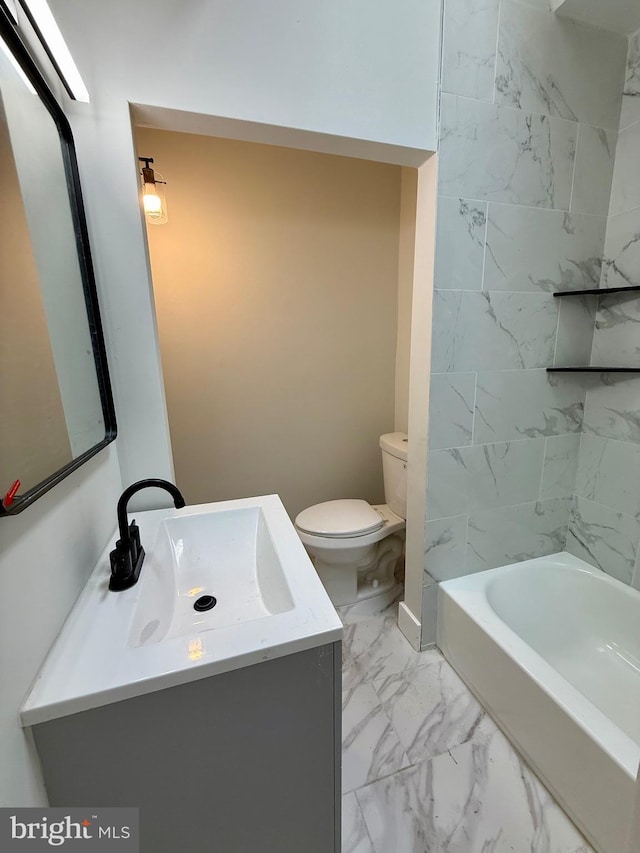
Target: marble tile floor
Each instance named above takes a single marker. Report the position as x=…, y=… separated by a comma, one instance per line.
x=425, y=769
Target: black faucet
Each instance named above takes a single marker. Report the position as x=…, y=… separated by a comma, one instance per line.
x=128, y=555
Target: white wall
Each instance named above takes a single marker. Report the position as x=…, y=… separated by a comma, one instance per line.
x=46, y=554
x=357, y=70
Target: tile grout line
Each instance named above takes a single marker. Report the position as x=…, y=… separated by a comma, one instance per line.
x=473, y=413
x=532, y=113
x=485, y=510
x=538, y=292
x=495, y=62
x=381, y=705
x=620, y=129
x=575, y=169
x=484, y=247
x=544, y=459
x=491, y=444
x=498, y=370
x=610, y=508
x=364, y=822
x=466, y=543
x=608, y=217
x=529, y=206
x=403, y=776
x=574, y=496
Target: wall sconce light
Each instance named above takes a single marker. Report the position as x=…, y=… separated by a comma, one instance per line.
x=153, y=198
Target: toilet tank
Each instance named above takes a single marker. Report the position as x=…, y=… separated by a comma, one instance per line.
x=394, y=471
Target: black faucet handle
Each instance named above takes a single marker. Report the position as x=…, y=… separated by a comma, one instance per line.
x=125, y=570
x=134, y=539
x=121, y=566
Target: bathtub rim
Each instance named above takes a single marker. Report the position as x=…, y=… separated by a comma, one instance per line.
x=469, y=592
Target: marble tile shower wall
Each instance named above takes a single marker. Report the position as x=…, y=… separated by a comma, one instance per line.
x=604, y=527
x=529, y=119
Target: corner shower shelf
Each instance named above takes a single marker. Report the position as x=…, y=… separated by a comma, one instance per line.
x=598, y=291
x=588, y=368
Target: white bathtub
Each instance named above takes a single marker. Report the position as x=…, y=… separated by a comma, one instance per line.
x=551, y=647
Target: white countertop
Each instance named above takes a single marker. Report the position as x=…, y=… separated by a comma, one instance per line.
x=93, y=663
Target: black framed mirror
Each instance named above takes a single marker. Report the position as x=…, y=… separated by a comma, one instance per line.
x=56, y=406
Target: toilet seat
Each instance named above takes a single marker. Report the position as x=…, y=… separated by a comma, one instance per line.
x=391, y=523
x=341, y=519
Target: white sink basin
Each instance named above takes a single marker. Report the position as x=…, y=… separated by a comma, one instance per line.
x=245, y=553
x=228, y=555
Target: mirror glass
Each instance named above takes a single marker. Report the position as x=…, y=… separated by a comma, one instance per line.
x=54, y=397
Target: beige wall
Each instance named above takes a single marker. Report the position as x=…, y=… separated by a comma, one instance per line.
x=276, y=287
x=406, y=251
x=33, y=439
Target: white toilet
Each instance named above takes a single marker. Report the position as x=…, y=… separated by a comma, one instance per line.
x=355, y=546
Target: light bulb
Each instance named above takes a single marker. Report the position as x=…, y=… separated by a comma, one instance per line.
x=152, y=201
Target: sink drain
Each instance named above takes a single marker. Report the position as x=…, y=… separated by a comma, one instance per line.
x=205, y=602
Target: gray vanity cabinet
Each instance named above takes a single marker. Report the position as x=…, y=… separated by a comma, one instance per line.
x=243, y=762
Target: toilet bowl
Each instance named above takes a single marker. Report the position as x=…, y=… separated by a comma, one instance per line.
x=355, y=546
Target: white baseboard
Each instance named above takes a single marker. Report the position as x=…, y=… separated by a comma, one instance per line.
x=409, y=625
